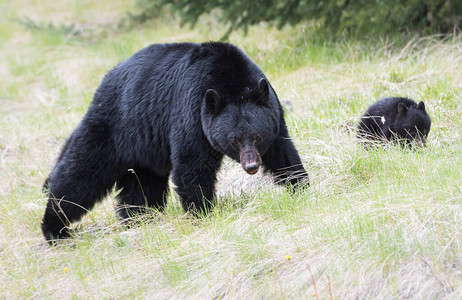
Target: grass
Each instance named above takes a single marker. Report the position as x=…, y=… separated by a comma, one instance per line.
x=374, y=224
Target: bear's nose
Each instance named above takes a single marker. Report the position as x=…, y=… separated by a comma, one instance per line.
x=252, y=168
x=249, y=158
x=420, y=141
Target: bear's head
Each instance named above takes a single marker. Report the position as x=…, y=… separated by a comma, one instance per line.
x=412, y=123
x=244, y=126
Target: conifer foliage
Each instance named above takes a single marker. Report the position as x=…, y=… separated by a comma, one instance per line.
x=335, y=16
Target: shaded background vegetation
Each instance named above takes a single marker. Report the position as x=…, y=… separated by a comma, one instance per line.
x=362, y=17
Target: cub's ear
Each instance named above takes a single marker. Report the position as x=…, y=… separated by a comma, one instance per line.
x=421, y=106
x=262, y=92
x=213, y=101
x=402, y=109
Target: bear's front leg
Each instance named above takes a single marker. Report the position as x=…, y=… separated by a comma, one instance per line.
x=194, y=175
x=283, y=161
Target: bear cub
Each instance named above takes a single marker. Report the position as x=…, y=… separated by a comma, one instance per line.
x=170, y=111
x=395, y=119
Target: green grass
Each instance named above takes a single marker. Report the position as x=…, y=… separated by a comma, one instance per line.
x=384, y=223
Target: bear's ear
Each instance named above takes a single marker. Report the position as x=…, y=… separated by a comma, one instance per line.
x=262, y=92
x=421, y=106
x=213, y=101
x=402, y=109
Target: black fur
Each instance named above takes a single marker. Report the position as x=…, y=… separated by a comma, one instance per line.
x=395, y=119
x=170, y=110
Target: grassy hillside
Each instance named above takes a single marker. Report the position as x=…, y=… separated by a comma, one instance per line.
x=385, y=223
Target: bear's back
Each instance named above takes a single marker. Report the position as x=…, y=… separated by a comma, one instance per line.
x=159, y=91
x=170, y=70
x=388, y=107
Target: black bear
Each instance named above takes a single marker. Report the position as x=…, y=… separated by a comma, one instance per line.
x=170, y=109
x=396, y=118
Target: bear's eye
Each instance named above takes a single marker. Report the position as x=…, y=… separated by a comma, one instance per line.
x=256, y=138
x=236, y=140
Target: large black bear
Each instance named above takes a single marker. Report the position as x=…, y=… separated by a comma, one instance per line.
x=170, y=109
x=395, y=118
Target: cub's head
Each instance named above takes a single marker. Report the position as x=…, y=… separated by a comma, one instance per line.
x=244, y=126
x=412, y=123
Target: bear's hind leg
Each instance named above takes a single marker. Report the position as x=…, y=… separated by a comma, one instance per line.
x=70, y=197
x=141, y=188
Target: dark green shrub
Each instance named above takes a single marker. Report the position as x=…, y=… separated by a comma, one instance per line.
x=358, y=17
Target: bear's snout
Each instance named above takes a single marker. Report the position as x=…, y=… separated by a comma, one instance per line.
x=250, y=159
x=420, y=141
x=252, y=168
